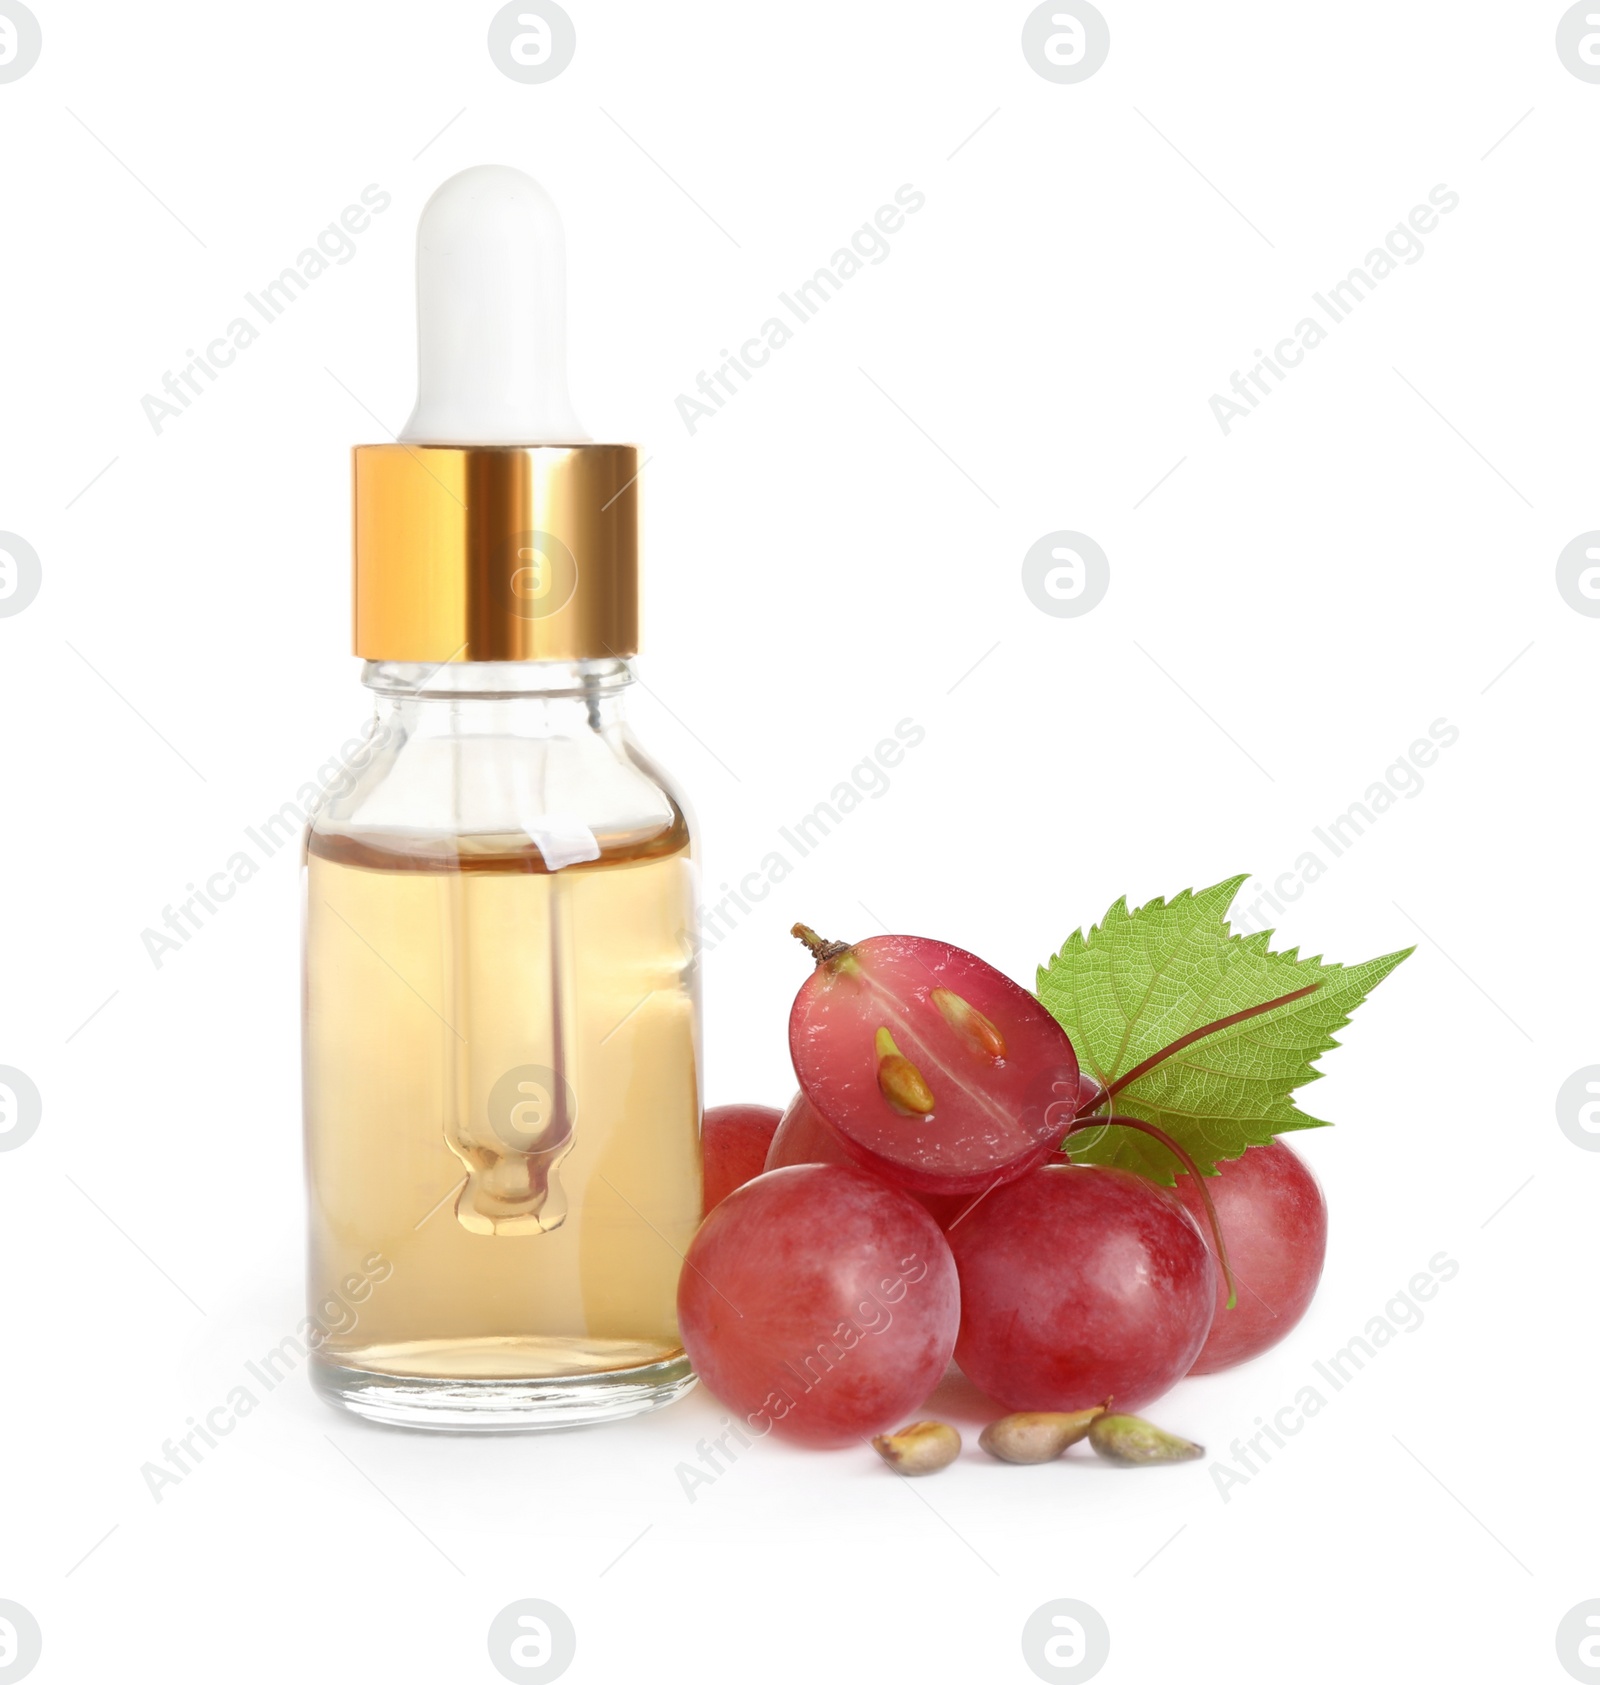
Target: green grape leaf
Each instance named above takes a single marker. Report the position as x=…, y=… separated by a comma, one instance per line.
x=1142, y=979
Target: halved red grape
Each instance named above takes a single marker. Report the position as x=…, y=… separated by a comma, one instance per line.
x=933, y=1068
x=803, y=1138
x=820, y=1303
x=734, y=1142
x=1081, y=1283
x=1274, y=1223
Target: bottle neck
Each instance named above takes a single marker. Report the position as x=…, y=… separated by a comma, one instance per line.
x=517, y=698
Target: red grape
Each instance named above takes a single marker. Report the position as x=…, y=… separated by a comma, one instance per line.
x=934, y=1069
x=1275, y=1225
x=820, y=1303
x=803, y=1138
x=734, y=1142
x=1081, y=1283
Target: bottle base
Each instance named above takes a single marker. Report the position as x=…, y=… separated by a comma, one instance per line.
x=502, y=1404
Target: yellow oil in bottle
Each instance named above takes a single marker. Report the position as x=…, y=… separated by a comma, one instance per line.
x=502, y=1114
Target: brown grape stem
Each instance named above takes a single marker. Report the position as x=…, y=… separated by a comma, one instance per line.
x=1188, y=1164
x=819, y=947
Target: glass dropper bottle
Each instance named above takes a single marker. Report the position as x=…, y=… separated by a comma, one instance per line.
x=502, y=1047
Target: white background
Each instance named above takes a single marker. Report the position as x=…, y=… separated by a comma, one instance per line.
x=1290, y=607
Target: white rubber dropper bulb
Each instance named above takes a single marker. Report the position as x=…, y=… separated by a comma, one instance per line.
x=491, y=315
